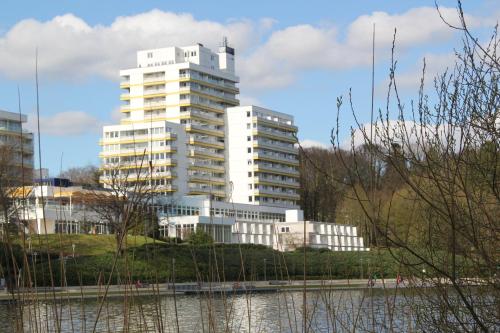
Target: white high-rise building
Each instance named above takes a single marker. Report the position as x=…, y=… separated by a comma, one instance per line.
x=189, y=86
x=261, y=156
x=229, y=170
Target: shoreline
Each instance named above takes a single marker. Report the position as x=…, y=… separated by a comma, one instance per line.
x=165, y=289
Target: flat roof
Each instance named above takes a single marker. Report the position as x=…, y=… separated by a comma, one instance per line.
x=12, y=116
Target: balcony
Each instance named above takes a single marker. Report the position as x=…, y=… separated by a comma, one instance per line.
x=156, y=175
x=205, y=189
x=276, y=182
x=125, y=84
x=139, y=138
x=278, y=124
x=204, y=130
x=260, y=143
x=125, y=97
x=203, y=103
x=279, y=194
x=138, y=151
x=205, y=153
x=125, y=108
x=152, y=80
x=275, y=158
x=206, y=142
x=274, y=134
x=124, y=165
x=205, y=116
x=154, y=93
x=203, y=178
x=276, y=170
x=205, y=79
x=204, y=164
x=211, y=92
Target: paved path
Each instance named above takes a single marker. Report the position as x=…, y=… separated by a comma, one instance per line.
x=162, y=289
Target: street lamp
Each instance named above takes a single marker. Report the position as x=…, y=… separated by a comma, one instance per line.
x=73, y=246
x=265, y=271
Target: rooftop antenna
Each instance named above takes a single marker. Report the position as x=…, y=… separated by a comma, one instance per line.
x=224, y=41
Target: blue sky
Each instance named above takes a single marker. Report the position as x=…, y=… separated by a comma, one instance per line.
x=293, y=56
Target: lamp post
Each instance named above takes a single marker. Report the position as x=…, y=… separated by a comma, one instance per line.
x=73, y=247
x=265, y=271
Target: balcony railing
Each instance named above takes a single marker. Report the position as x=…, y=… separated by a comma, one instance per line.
x=277, y=181
x=275, y=157
x=268, y=168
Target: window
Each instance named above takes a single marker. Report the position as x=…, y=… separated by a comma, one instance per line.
x=250, y=199
x=249, y=186
x=248, y=113
x=249, y=174
x=249, y=138
x=248, y=126
x=249, y=149
x=150, y=54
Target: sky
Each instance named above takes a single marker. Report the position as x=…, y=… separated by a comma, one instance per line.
x=296, y=57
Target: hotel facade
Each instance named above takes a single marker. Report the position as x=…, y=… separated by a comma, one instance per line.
x=230, y=170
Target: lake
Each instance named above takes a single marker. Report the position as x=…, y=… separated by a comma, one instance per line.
x=326, y=311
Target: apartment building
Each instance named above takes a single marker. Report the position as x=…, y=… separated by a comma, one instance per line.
x=16, y=146
x=229, y=170
x=262, y=160
x=145, y=152
x=190, y=86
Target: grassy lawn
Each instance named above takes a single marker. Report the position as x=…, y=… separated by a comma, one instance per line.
x=85, y=245
x=152, y=260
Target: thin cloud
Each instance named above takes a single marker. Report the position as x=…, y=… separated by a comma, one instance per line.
x=308, y=143
x=68, y=123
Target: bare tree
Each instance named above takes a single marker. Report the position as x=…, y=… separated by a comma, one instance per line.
x=127, y=199
x=87, y=175
x=437, y=199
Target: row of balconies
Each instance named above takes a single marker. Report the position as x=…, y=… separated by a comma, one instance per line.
x=286, y=125
x=207, y=116
x=263, y=143
x=207, y=78
x=206, y=164
x=209, y=91
x=263, y=155
x=205, y=153
x=197, y=100
x=204, y=129
x=200, y=188
x=139, y=138
x=274, y=168
x=273, y=192
x=134, y=164
x=274, y=134
x=276, y=180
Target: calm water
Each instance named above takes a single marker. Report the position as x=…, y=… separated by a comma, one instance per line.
x=339, y=311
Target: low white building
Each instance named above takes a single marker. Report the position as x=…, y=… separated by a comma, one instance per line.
x=60, y=211
x=276, y=227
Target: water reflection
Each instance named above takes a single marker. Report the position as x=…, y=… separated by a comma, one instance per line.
x=326, y=311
